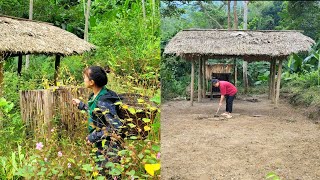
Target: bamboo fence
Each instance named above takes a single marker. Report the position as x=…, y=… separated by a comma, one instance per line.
x=41, y=108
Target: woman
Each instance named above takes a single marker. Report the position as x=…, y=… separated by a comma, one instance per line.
x=103, y=121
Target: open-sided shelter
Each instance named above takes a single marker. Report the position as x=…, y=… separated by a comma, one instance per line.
x=22, y=36
x=264, y=45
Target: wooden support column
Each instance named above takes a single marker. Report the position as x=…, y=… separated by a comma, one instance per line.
x=270, y=79
x=56, y=67
x=192, y=83
x=1, y=74
x=278, y=81
x=273, y=81
x=235, y=72
x=19, y=64
x=199, y=79
x=204, y=85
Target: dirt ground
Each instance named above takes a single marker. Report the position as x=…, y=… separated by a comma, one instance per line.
x=195, y=145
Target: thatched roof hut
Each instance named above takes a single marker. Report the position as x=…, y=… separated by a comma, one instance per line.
x=22, y=36
x=247, y=44
x=267, y=45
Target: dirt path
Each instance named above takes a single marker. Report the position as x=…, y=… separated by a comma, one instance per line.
x=196, y=146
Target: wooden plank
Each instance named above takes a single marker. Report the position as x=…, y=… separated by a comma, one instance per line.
x=56, y=67
x=278, y=82
x=19, y=64
x=199, y=79
x=192, y=83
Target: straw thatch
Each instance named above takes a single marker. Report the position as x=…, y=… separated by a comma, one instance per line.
x=250, y=45
x=22, y=36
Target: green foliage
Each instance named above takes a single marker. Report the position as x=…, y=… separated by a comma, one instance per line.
x=127, y=41
x=301, y=15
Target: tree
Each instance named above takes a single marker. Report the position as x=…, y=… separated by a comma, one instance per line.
x=87, y=17
x=229, y=20
x=30, y=17
x=245, y=63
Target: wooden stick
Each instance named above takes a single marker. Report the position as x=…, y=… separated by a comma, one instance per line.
x=56, y=67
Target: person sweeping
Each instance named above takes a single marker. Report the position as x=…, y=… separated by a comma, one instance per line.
x=228, y=92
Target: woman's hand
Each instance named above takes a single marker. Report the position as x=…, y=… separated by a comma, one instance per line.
x=76, y=102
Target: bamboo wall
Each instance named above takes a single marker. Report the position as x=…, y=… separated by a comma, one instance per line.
x=217, y=68
x=39, y=108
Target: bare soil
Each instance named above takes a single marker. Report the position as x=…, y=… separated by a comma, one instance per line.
x=257, y=140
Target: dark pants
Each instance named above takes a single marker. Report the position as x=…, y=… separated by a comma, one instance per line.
x=229, y=103
x=103, y=157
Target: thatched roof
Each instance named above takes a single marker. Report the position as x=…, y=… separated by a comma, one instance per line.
x=247, y=44
x=22, y=36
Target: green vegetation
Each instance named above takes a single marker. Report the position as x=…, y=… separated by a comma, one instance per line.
x=128, y=43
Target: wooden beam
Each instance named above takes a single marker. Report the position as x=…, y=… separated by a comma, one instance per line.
x=278, y=82
x=192, y=83
x=56, y=67
x=199, y=79
x=19, y=64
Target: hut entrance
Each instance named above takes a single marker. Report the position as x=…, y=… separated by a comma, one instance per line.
x=219, y=71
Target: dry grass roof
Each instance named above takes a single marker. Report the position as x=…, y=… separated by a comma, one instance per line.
x=22, y=36
x=247, y=44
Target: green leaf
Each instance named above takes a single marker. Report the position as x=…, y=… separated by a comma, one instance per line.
x=131, y=125
x=133, y=137
x=140, y=155
x=132, y=110
x=131, y=173
x=146, y=120
x=155, y=148
x=77, y=177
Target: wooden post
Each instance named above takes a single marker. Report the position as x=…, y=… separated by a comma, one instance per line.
x=1, y=74
x=278, y=81
x=56, y=67
x=19, y=64
x=199, y=79
x=235, y=72
x=273, y=81
x=192, y=83
x=270, y=79
x=204, y=80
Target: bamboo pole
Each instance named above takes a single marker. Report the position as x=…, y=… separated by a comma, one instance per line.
x=235, y=72
x=192, y=82
x=278, y=82
x=199, y=79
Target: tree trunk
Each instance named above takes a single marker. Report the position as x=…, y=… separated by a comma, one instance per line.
x=245, y=63
x=235, y=24
x=30, y=17
x=86, y=25
x=229, y=20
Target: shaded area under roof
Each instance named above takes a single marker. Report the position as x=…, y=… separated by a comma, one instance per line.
x=23, y=36
x=246, y=44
